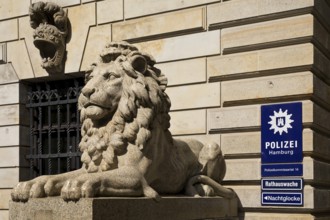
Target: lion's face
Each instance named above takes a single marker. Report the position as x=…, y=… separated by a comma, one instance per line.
x=52, y=32
x=100, y=96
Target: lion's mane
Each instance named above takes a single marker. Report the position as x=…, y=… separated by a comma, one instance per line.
x=143, y=103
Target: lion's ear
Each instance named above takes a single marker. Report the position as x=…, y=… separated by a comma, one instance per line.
x=139, y=63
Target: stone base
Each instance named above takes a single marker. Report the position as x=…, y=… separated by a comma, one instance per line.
x=54, y=208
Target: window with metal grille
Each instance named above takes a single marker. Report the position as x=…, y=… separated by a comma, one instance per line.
x=54, y=127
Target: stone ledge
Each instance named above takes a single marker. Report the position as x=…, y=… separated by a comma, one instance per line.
x=125, y=208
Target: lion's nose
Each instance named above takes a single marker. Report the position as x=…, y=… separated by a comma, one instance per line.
x=87, y=91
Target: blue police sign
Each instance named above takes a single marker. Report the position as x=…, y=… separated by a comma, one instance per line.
x=282, y=184
x=281, y=133
x=284, y=199
x=286, y=169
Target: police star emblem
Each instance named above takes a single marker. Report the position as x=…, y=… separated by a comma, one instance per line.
x=280, y=122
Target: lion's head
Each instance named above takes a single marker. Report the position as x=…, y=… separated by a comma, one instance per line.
x=51, y=33
x=122, y=99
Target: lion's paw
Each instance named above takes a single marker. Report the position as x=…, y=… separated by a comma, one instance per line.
x=37, y=190
x=71, y=190
x=88, y=189
x=50, y=188
x=21, y=192
x=25, y=190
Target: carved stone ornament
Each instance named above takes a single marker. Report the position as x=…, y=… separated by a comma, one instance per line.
x=52, y=32
x=127, y=149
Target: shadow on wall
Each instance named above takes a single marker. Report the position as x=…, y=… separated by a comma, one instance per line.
x=241, y=212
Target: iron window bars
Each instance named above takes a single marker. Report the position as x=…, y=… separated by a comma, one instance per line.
x=54, y=127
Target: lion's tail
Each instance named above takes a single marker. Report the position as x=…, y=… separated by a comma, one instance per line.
x=219, y=190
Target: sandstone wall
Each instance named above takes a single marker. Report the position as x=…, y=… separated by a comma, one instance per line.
x=223, y=60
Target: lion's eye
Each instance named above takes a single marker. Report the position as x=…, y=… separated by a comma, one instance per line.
x=106, y=75
x=109, y=76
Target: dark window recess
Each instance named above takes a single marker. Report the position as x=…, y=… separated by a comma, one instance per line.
x=54, y=127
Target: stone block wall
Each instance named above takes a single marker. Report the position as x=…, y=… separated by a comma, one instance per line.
x=223, y=60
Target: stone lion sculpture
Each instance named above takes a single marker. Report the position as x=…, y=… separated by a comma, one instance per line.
x=127, y=149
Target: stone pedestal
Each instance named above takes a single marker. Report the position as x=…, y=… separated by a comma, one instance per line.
x=55, y=208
